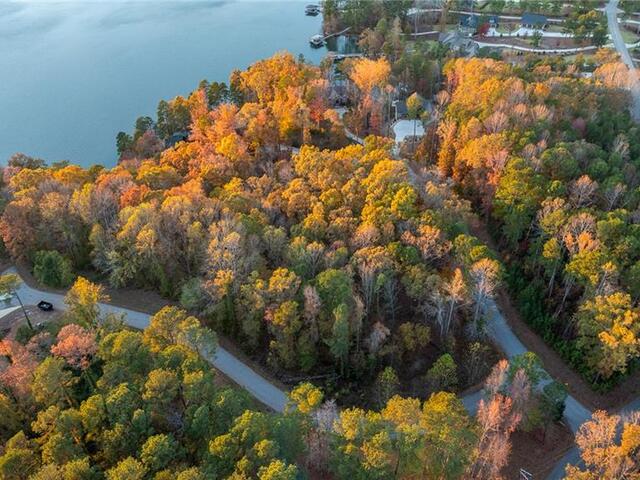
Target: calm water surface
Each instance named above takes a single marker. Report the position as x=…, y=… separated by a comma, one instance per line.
x=73, y=74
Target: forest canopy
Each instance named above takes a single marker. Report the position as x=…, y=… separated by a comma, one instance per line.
x=89, y=398
x=553, y=160
x=337, y=262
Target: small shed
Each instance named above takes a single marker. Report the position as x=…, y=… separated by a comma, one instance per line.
x=534, y=21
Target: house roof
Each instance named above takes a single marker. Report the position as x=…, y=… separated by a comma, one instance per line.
x=401, y=106
x=529, y=18
x=175, y=138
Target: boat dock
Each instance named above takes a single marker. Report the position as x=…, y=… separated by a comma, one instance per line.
x=320, y=40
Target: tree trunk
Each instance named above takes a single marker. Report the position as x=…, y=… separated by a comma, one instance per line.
x=452, y=306
x=551, y=281
x=564, y=297
x=476, y=312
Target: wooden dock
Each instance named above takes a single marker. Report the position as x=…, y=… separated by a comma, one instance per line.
x=341, y=32
x=341, y=56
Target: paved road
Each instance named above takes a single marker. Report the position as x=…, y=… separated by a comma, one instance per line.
x=231, y=366
x=573, y=455
x=575, y=413
x=497, y=328
x=614, y=30
x=501, y=333
x=560, y=51
x=224, y=361
x=413, y=11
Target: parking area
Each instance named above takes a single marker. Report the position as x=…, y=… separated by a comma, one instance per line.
x=12, y=317
x=405, y=128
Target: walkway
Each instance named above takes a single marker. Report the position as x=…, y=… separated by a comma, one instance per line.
x=575, y=414
x=232, y=367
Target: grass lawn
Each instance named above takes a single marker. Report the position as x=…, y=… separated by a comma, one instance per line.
x=628, y=36
x=503, y=29
x=555, y=28
x=573, y=58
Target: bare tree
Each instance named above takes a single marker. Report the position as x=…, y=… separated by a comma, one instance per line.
x=312, y=306
x=456, y=294
x=496, y=420
x=496, y=122
x=583, y=191
x=613, y=195
x=319, y=438
x=497, y=378
x=484, y=277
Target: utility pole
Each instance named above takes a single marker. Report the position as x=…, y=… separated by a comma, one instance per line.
x=9, y=286
x=24, y=310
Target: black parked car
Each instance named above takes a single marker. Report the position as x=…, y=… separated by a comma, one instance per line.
x=45, y=306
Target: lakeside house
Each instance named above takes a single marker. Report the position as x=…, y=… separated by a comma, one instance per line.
x=181, y=136
x=400, y=108
x=534, y=21
x=473, y=23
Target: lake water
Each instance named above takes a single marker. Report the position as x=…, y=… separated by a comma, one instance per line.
x=73, y=74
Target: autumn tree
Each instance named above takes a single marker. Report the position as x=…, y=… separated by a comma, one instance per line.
x=370, y=77
x=449, y=436
x=83, y=301
x=608, y=328
x=414, y=110
x=76, y=345
x=606, y=453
